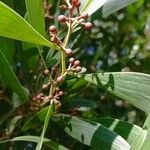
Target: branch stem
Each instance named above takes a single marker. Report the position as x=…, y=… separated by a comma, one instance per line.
x=63, y=54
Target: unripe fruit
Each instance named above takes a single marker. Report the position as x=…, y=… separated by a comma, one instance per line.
x=78, y=69
x=77, y=63
x=88, y=25
x=62, y=18
x=69, y=51
x=72, y=60
x=46, y=72
x=85, y=15
x=59, y=79
x=53, y=29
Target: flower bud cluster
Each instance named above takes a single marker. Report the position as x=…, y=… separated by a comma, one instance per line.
x=55, y=76
x=71, y=6
x=75, y=65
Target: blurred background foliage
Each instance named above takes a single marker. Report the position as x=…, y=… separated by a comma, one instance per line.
x=120, y=42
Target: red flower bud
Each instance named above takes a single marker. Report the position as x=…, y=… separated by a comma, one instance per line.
x=72, y=60
x=88, y=25
x=62, y=18
x=77, y=63
x=85, y=15
x=59, y=79
x=54, y=39
x=69, y=51
x=53, y=29
x=78, y=69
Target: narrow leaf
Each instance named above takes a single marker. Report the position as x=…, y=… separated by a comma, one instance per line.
x=139, y=141
x=35, y=15
x=12, y=25
x=146, y=143
x=8, y=47
x=91, y=6
x=10, y=78
x=47, y=142
x=93, y=134
x=46, y=122
x=112, y=6
x=147, y=123
x=13, y=123
x=4, y=117
x=130, y=86
x=128, y=131
x=36, y=119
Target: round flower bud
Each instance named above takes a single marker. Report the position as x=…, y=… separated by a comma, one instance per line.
x=72, y=60
x=45, y=86
x=61, y=93
x=54, y=39
x=53, y=29
x=88, y=25
x=85, y=15
x=59, y=79
x=78, y=69
x=69, y=51
x=62, y=18
x=77, y=63
x=46, y=72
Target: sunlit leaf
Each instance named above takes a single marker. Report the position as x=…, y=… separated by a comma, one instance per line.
x=93, y=134
x=112, y=6
x=130, y=86
x=126, y=130
x=139, y=141
x=147, y=123
x=90, y=6
x=12, y=25
x=35, y=13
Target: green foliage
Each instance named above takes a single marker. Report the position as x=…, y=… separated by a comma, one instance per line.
x=14, y=26
x=36, y=114
x=10, y=79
